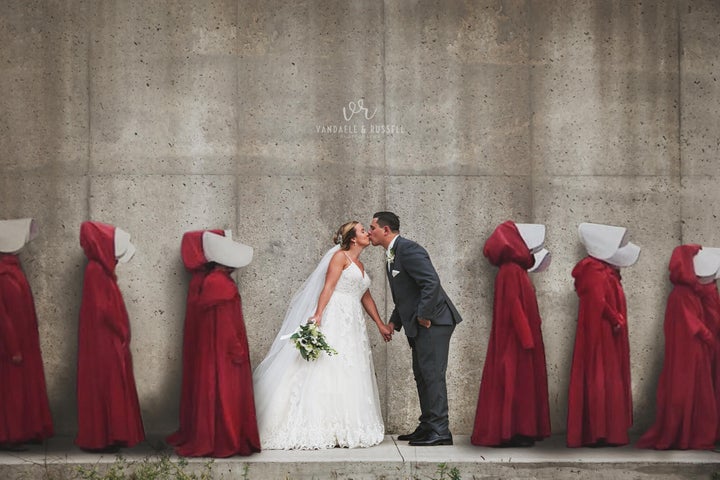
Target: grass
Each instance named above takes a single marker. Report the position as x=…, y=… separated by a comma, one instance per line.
x=151, y=468
x=156, y=467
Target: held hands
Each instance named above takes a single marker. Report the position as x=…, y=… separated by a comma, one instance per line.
x=386, y=331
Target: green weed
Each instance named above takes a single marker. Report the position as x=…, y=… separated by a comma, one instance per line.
x=151, y=468
x=447, y=473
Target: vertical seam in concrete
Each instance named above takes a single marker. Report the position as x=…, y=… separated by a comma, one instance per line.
x=531, y=106
x=235, y=171
x=88, y=164
x=679, y=115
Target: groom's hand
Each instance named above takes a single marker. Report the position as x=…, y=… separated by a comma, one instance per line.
x=424, y=322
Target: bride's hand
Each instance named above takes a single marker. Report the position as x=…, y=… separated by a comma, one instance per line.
x=316, y=319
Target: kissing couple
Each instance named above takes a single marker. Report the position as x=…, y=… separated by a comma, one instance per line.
x=333, y=401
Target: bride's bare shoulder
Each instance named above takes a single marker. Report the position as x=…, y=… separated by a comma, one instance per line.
x=340, y=259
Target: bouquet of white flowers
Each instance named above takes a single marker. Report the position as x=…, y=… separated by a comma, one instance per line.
x=310, y=341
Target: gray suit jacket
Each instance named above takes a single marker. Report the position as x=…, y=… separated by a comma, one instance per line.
x=416, y=289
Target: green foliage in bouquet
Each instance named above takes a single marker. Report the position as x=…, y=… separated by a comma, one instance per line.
x=310, y=342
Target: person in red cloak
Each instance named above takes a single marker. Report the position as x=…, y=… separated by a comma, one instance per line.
x=599, y=394
x=195, y=262
x=513, y=407
x=218, y=413
x=24, y=409
x=686, y=415
x=108, y=407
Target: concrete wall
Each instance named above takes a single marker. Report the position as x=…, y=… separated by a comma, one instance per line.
x=162, y=117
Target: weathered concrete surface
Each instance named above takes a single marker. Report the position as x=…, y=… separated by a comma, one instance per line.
x=167, y=116
x=44, y=127
x=299, y=64
x=163, y=87
x=458, y=83
x=700, y=87
x=605, y=88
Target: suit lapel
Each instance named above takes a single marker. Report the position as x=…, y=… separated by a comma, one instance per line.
x=389, y=269
x=392, y=264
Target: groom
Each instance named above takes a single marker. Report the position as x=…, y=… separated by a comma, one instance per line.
x=429, y=318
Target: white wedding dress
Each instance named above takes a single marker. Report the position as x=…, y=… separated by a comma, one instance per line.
x=332, y=401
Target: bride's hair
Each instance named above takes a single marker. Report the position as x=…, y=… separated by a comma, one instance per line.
x=344, y=234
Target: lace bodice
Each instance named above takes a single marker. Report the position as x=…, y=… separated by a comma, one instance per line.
x=352, y=281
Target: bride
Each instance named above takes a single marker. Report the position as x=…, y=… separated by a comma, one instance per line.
x=332, y=401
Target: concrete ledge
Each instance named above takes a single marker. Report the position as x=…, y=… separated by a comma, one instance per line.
x=59, y=459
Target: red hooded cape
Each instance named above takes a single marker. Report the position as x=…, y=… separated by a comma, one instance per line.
x=24, y=410
x=686, y=415
x=217, y=408
x=513, y=399
x=599, y=395
x=108, y=407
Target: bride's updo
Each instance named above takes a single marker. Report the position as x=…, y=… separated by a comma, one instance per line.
x=344, y=234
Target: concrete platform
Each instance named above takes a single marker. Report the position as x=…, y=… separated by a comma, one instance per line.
x=59, y=460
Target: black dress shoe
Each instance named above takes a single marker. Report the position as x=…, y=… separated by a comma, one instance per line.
x=416, y=435
x=432, y=439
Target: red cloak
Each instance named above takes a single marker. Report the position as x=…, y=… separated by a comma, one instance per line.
x=108, y=407
x=711, y=311
x=195, y=262
x=24, y=410
x=686, y=415
x=513, y=400
x=217, y=411
x=599, y=395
